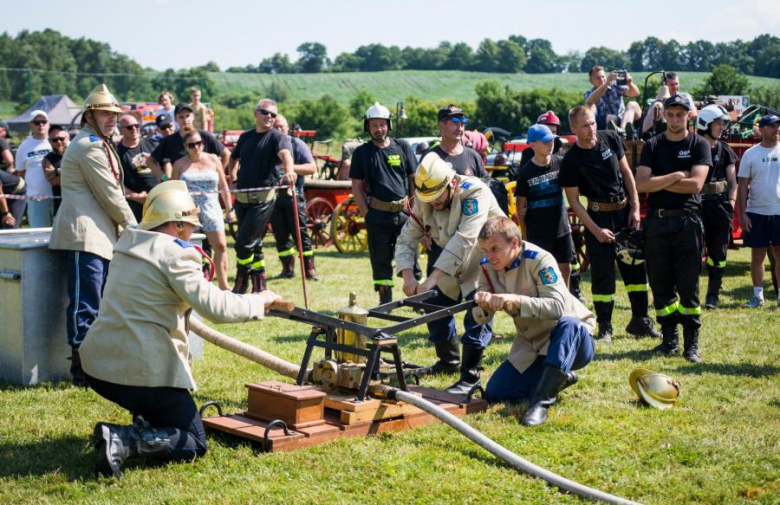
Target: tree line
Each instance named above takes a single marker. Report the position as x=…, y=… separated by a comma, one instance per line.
x=516, y=54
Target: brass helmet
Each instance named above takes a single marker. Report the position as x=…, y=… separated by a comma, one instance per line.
x=166, y=202
x=432, y=177
x=100, y=98
x=655, y=389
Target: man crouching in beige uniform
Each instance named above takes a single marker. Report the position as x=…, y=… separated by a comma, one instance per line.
x=136, y=352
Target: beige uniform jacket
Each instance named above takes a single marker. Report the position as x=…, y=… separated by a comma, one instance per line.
x=94, y=210
x=542, y=296
x=140, y=335
x=455, y=230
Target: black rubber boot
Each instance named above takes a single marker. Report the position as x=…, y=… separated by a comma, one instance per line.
x=79, y=379
x=604, y=318
x=714, y=284
x=259, y=279
x=311, y=272
x=115, y=444
x=671, y=337
x=552, y=382
x=385, y=294
x=448, y=353
x=469, y=371
x=288, y=267
x=604, y=334
x=575, y=288
x=691, y=345
x=242, y=279
x=642, y=327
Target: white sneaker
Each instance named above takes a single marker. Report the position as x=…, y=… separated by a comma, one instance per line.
x=754, y=303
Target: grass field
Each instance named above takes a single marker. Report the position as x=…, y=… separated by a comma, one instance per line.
x=719, y=444
x=390, y=87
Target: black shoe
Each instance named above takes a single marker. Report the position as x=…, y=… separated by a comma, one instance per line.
x=469, y=371
x=605, y=333
x=385, y=294
x=242, y=279
x=711, y=302
x=552, y=382
x=642, y=327
x=691, y=345
x=311, y=272
x=448, y=353
x=115, y=444
x=670, y=345
x=79, y=377
x=259, y=280
x=288, y=267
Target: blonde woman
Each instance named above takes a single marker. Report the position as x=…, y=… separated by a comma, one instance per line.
x=202, y=172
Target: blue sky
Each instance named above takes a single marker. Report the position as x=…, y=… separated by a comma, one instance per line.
x=178, y=34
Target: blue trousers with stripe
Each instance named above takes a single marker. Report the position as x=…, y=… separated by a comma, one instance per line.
x=571, y=348
x=86, y=277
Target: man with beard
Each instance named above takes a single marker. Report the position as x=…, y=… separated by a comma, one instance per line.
x=382, y=175
x=452, y=126
x=134, y=152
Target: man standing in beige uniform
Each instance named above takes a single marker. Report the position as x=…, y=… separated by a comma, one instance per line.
x=136, y=353
x=554, y=330
x=449, y=210
x=92, y=215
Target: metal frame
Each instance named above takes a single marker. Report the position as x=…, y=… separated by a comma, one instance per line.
x=383, y=339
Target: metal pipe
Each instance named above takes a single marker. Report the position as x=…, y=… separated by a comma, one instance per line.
x=249, y=352
x=501, y=452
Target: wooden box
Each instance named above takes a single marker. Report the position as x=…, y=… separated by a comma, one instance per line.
x=297, y=406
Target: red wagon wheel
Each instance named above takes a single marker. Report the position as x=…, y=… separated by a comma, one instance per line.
x=319, y=212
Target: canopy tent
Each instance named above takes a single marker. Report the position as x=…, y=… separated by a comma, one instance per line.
x=60, y=108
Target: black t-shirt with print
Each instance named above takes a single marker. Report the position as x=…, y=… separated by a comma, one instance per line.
x=546, y=216
x=386, y=170
x=138, y=176
x=259, y=157
x=596, y=171
x=664, y=156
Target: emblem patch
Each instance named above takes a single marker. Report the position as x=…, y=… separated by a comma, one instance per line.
x=470, y=206
x=548, y=276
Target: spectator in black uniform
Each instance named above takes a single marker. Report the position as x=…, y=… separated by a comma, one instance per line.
x=596, y=167
x=382, y=173
x=59, y=140
x=718, y=196
x=282, y=219
x=253, y=164
x=134, y=153
x=171, y=148
x=464, y=160
x=540, y=206
x=672, y=169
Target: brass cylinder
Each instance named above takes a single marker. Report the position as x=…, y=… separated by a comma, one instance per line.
x=354, y=314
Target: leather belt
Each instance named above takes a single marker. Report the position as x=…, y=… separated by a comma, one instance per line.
x=607, y=206
x=256, y=196
x=714, y=188
x=664, y=213
x=394, y=207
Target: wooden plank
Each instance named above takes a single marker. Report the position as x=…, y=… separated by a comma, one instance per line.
x=347, y=402
x=384, y=411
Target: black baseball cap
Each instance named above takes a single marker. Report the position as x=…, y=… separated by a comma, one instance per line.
x=678, y=100
x=182, y=106
x=449, y=111
x=163, y=121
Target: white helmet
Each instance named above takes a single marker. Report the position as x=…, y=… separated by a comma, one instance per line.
x=377, y=111
x=709, y=114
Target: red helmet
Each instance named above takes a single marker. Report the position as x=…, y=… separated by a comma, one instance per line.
x=548, y=117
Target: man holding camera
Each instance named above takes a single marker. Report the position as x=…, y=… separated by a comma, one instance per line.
x=606, y=99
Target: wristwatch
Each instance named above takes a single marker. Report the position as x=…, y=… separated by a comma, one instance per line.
x=4, y=213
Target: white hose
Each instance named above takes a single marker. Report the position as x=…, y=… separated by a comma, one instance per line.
x=505, y=454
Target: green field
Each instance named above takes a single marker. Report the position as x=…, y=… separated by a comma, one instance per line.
x=393, y=86
x=719, y=444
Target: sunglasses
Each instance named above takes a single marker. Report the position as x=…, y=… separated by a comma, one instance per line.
x=267, y=113
x=132, y=127
x=58, y=140
x=193, y=145
x=39, y=122
x=459, y=119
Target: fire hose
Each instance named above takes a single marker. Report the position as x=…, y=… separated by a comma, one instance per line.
x=291, y=370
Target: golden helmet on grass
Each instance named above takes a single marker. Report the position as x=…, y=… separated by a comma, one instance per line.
x=655, y=389
x=100, y=98
x=431, y=178
x=166, y=202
